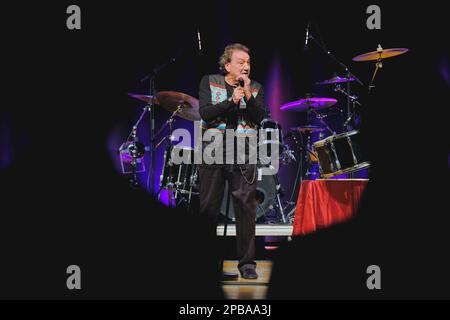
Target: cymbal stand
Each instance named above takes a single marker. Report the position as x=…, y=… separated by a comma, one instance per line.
x=350, y=122
x=320, y=118
x=134, y=148
x=150, y=106
x=167, y=123
x=171, y=186
x=303, y=153
x=133, y=180
x=348, y=73
x=378, y=65
x=299, y=175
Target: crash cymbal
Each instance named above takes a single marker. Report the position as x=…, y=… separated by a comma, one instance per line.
x=143, y=97
x=170, y=100
x=380, y=54
x=337, y=79
x=308, y=128
x=305, y=104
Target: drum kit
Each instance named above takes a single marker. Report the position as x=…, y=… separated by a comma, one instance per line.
x=335, y=155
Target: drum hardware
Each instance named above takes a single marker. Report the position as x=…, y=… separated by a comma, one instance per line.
x=150, y=103
x=132, y=152
x=306, y=155
x=169, y=122
x=378, y=57
x=320, y=118
x=354, y=101
x=182, y=184
x=311, y=105
x=348, y=75
x=180, y=104
x=287, y=156
x=336, y=80
x=315, y=103
x=172, y=101
x=180, y=179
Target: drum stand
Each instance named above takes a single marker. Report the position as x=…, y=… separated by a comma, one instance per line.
x=150, y=107
x=308, y=158
x=320, y=118
x=350, y=122
x=280, y=206
x=378, y=65
x=170, y=186
x=348, y=73
x=136, y=149
x=299, y=177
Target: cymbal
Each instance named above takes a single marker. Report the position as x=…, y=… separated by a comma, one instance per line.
x=170, y=100
x=337, y=79
x=143, y=97
x=308, y=128
x=305, y=104
x=380, y=54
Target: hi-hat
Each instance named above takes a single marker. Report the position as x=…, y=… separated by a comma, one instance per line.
x=380, y=54
x=172, y=100
x=143, y=97
x=304, y=104
x=336, y=80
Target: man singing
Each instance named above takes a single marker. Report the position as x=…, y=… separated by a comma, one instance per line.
x=231, y=100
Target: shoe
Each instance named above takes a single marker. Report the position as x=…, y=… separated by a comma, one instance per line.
x=248, y=273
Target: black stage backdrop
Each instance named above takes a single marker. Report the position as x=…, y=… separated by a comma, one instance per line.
x=65, y=107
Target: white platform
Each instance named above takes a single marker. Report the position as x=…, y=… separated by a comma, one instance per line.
x=281, y=230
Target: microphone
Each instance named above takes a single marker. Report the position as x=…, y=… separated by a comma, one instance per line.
x=307, y=36
x=199, y=42
x=241, y=84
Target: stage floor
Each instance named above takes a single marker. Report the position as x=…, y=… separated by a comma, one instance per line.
x=247, y=289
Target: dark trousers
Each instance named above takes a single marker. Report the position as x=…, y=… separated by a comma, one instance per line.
x=211, y=194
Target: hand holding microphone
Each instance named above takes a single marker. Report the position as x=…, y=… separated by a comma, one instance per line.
x=240, y=91
x=238, y=94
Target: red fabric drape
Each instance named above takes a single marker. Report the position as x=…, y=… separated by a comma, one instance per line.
x=322, y=203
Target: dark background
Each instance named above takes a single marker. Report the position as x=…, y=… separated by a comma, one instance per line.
x=65, y=107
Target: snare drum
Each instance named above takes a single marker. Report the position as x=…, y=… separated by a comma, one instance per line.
x=340, y=154
x=180, y=176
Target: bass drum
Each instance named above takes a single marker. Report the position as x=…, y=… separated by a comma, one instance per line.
x=266, y=195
